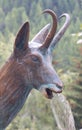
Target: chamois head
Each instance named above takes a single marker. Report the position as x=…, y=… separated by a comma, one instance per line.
x=35, y=57
x=30, y=66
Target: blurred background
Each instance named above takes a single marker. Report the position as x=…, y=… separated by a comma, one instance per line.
x=67, y=57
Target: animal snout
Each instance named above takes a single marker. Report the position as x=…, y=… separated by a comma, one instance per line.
x=59, y=83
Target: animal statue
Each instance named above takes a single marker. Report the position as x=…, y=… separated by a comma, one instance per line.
x=30, y=66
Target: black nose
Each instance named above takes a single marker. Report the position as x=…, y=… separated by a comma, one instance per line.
x=60, y=85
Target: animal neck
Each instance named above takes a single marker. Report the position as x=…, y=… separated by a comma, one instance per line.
x=13, y=79
x=13, y=92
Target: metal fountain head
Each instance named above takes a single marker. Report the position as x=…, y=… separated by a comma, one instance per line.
x=30, y=66
x=39, y=52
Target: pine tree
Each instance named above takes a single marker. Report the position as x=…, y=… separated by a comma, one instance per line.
x=75, y=97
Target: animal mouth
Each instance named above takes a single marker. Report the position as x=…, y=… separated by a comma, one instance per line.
x=49, y=90
x=49, y=93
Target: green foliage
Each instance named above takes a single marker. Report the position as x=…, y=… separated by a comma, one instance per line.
x=16, y=18
x=4, y=48
x=76, y=87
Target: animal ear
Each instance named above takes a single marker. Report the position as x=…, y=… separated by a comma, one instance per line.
x=40, y=37
x=22, y=38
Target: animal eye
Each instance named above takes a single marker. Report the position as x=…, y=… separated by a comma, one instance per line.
x=35, y=58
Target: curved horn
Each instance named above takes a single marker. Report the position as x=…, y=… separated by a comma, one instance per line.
x=61, y=32
x=52, y=31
